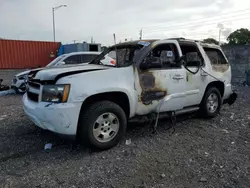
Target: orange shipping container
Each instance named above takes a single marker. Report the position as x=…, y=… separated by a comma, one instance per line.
x=17, y=54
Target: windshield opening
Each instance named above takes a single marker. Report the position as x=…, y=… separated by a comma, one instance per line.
x=123, y=55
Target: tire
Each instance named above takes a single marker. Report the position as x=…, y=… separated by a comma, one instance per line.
x=205, y=108
x=104, y=110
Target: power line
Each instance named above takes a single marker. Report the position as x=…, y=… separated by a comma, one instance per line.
x=201, y=22
x=198, y=19
x=197, y=24
x=193, y=24
x=178, y=27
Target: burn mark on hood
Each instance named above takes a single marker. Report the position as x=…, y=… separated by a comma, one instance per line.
x=74, y=72
x=57, y=77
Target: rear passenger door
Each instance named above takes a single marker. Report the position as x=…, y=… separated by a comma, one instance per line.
x=195, y=83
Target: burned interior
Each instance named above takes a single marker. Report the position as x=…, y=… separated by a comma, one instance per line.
x=166, y=57
x=218, y=61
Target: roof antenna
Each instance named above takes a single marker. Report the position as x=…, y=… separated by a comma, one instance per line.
x=140, y=34
x=115, y=50
x=114, y=38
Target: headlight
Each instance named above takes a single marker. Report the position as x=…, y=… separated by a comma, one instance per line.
x=23, y=77
x=55, y=93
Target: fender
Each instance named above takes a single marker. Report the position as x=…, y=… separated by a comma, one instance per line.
x=97, y=82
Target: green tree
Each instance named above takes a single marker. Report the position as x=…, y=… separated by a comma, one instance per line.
x=211, y=41
x=240, y=36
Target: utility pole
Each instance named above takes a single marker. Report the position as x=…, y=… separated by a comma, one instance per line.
x=53, y=14
x=54, y=32
x=219, y=35
x=92, y=41
x=140, y=34
x=114, y=38
x=221, y=27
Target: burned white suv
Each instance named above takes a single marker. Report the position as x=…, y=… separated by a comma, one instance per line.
x=94, y=102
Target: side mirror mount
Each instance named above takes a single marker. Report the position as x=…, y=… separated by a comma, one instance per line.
x=151, y=62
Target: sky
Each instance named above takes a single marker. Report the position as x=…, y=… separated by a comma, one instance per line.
x=100, y=19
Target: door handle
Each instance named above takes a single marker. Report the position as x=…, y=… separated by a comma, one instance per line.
x=178, y=77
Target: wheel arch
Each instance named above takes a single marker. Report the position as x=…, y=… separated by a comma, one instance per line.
x=120, y=98
x=117, y=97
x=217, y=84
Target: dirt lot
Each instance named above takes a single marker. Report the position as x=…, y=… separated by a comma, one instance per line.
x=200, y=153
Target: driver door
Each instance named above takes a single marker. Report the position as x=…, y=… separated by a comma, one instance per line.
x=162, y=79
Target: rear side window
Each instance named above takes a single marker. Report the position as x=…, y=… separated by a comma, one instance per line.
x=215, y=55
x=77, y=59
x=86, y=58
x=74, y=59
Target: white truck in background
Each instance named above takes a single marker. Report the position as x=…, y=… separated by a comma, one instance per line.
x=94, y=102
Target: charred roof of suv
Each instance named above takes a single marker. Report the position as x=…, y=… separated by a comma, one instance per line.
x=180, y=39
x=133, y=43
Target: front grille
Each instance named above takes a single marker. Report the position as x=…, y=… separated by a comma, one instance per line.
x=34, y=85
x=32, y=96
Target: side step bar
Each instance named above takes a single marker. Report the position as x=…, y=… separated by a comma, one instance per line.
x=180, y=112
x=141, y=119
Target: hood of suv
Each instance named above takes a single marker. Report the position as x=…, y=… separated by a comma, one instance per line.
x=23, y=73
x=53, y=74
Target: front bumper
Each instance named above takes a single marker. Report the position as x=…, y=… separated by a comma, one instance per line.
x=60, y=118
x=231, y=99
x=19, y=85
x=230, y=95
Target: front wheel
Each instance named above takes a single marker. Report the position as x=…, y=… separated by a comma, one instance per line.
x=102, y=125
x=211, y=103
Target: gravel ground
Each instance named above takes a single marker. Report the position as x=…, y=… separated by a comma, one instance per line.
x=200, y=153
x=8, y=75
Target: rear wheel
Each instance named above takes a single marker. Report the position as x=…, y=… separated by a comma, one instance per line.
x=211, y=103
x=102, y=125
